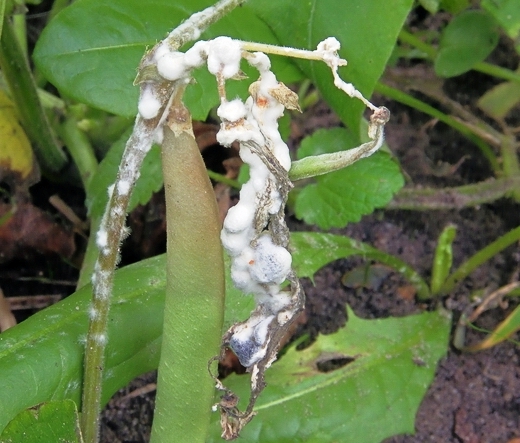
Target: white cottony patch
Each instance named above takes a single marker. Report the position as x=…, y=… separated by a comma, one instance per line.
x=260, y=61
x=100, y=339
x=123, y=187
x=271, y=263
x=330, y=46
x=196, y=55
x=249, y=340
x=149, y=104
x=110, y=190
x=232, y=111
x=171, y=66
x=259, y=265
x=102, y=239
x=224, y=55
x=116, y=211
x=239, y=218
x=93, y=313
x=158, y=135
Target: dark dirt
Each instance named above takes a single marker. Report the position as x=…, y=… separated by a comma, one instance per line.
x=475, y=397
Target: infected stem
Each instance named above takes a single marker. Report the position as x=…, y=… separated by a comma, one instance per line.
x=112, y=229
x=325, y=163
x=109, y=237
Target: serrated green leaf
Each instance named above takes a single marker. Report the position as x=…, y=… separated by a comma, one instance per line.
x=344, y=196
x=150, y=179
x=498, y=101
x=468, y=39
x=367, y=31
x=55, y=421
x=91, y=50
x=373, y=397
x=507, y=14
x=41, y=358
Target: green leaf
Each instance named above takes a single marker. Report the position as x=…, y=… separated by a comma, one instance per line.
x=91, y=50
x=41, y=359
x=443, y=258
x=374, y=396
x=432, y=6
x=498, y=101
x=344, y=196
x=454, y=6
x=507, y=14
x=150, y=179
x=313, y=250
x=468, y=39
x=2, y=12
x=55, y=421
x=367, y=31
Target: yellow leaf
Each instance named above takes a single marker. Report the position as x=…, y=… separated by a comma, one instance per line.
x=16, y=155
x=502, y=332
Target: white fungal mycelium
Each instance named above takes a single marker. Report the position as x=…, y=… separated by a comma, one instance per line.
x=261, y=261
x=149, y=104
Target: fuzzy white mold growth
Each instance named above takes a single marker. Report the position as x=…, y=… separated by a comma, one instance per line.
x=254, y=232
x=149, y=104
x=232, y=111
x=224, y=55
x=249, y=340
x=102, y=239
x=271, y=263
x=123, y=187
x=196, y=55
x=171, y=66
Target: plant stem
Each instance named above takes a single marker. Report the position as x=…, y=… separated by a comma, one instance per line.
x=478, y=259
x=17, y=72
x=497, y=71
x=510, y=164
x=431, y=52
x=426, y=199
x=194, y=307
x=223, y=179
x=20, y=31
x=412, y=40
x=407, y=99
x=80, y=149
x=325, y=163
x=108, y=239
